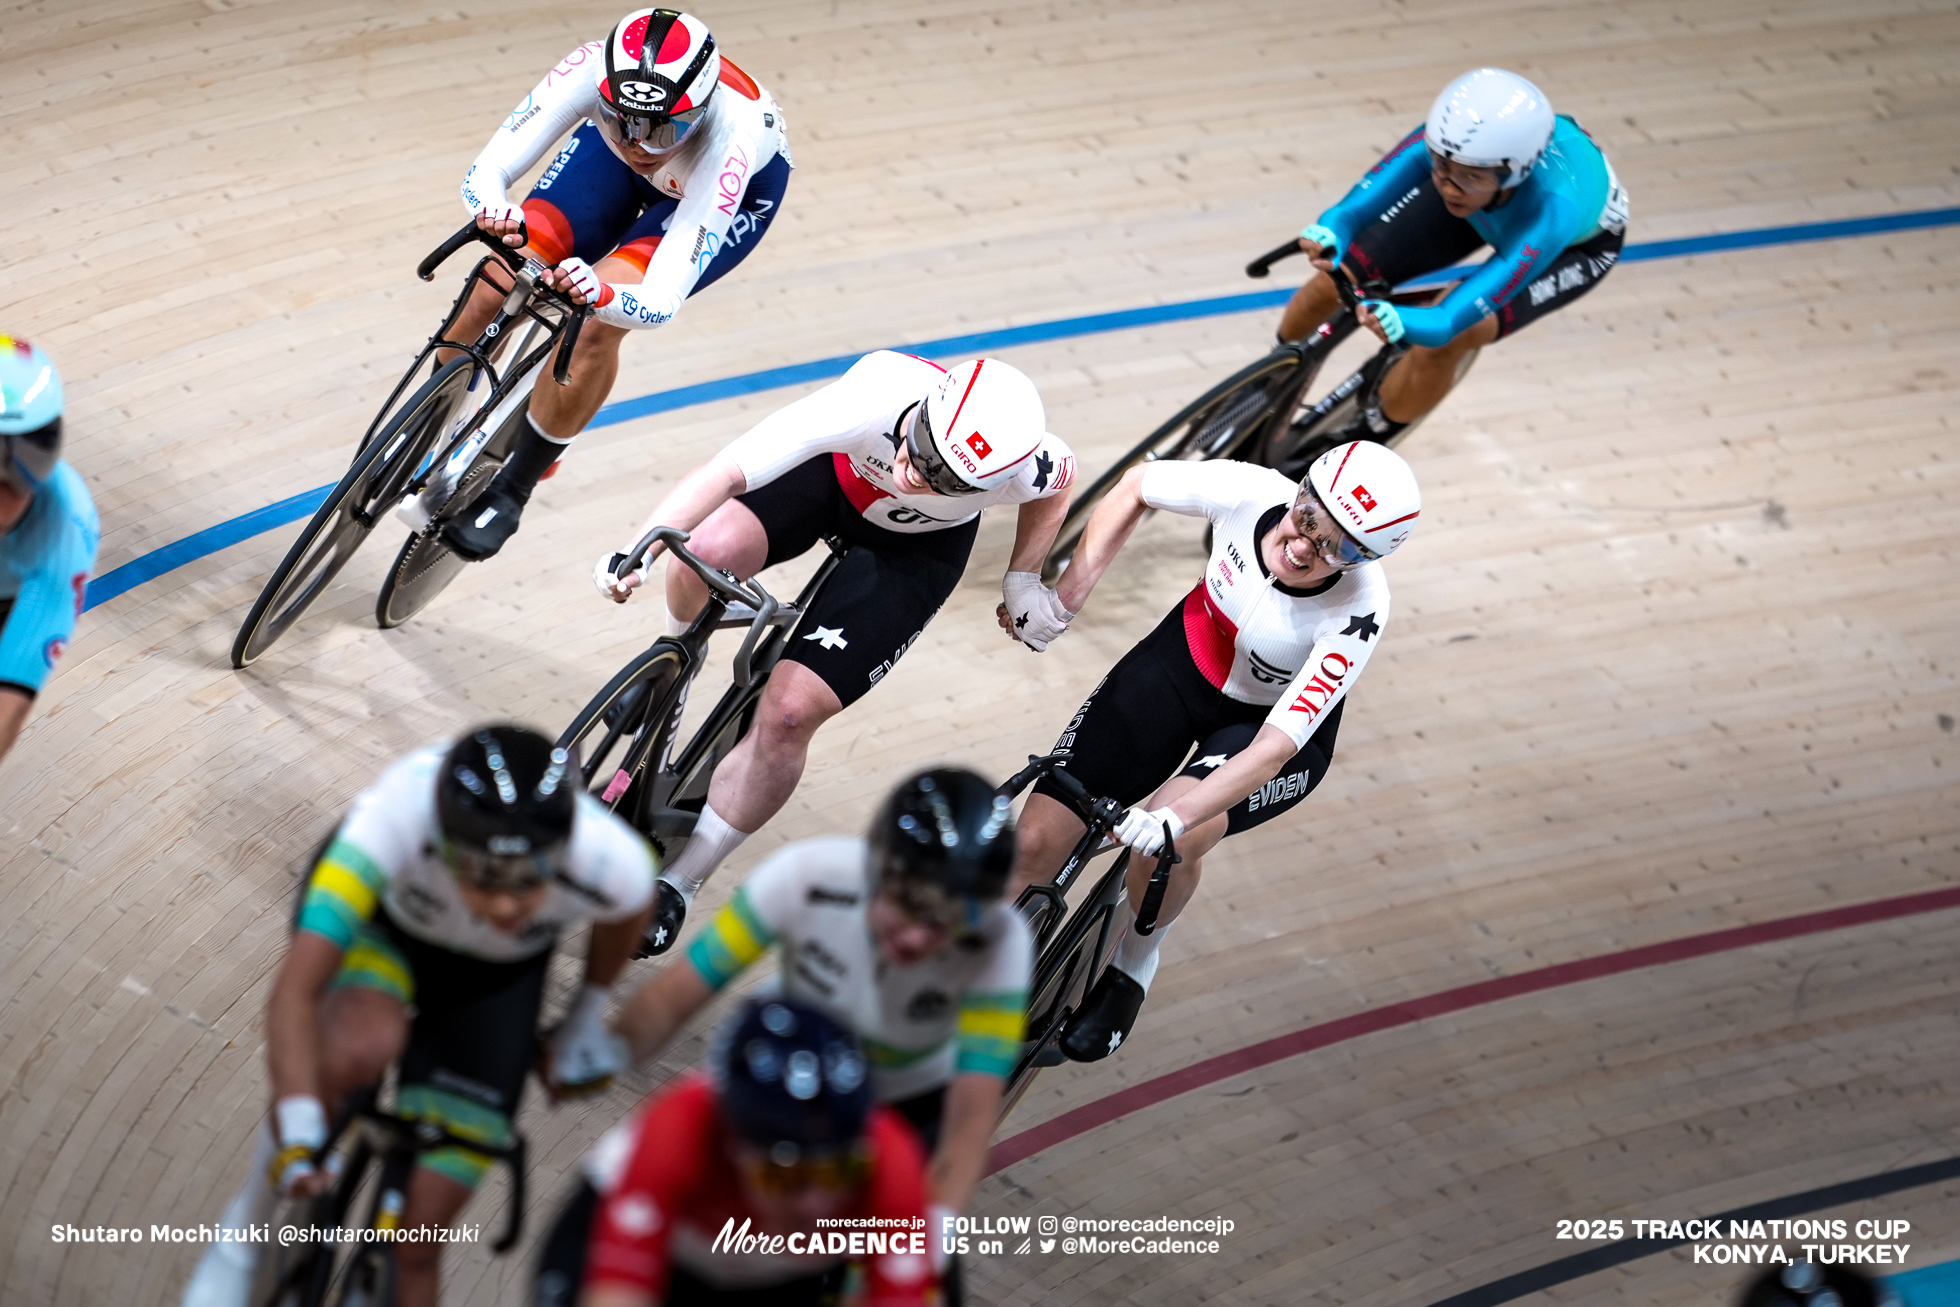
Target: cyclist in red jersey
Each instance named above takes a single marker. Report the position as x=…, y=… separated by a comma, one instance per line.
x=714, y=1192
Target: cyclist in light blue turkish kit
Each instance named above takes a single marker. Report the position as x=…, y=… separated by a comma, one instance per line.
x=48, y=532
x=1491, y=166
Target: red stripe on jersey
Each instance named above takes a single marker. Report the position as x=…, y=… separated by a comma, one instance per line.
x=860, y=492
x=1211, y=636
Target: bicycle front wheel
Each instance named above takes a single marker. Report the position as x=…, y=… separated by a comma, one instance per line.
x=425, y=566
x=1215, y=425
x=343, y=522
x=628, y=712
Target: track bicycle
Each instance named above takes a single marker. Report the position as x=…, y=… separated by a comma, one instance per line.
x=371, y=1153
x=624, y=739
x=439, y=442
x=1071, y=949
x=1261, y=414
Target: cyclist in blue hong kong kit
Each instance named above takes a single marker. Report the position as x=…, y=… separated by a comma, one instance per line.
x=1491, y=166
x=48, y=533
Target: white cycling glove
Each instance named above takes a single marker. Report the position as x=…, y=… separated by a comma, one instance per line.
x=612, y=585
x=1144, y=831
x=500, y=213
x=1035, y=610
x=302, y=1130
x=585, y=1056
x=585, y=285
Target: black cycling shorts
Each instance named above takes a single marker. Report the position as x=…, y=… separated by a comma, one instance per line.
x=1140, y=725
x=1419, y=235
x=471, y=1037
x=882, y=594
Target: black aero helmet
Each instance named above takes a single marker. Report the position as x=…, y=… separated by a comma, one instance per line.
x=504, y=800
x=943, y=835
x=792, y=1081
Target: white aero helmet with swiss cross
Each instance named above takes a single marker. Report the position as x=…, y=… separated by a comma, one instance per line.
x=1489, y=118
x=976, y=427
x=1371, y=494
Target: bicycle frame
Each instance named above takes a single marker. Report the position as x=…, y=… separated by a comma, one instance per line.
x=1060, y=937
x=768, y=622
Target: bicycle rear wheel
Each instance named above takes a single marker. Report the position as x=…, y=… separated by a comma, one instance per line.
x=1215, y=425
x=627, y=712
x=343, y=522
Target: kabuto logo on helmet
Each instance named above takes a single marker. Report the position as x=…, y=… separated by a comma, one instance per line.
x=635, y=94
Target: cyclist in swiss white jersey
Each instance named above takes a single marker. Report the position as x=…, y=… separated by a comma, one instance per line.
x=441, y=895
x=674, y=170
x=1224, y=717
x=898, y=457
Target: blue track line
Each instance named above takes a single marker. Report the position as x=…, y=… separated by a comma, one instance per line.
x=149, y=566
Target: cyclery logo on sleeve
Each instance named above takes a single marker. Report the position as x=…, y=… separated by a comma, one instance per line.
x=733, y=179
x=639, y=312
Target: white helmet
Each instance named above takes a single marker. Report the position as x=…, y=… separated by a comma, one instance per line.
x=1370, y=493
x=1489, y=118
x=976, y=428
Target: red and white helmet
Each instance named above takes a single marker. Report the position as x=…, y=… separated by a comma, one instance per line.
x=1372, y=496
x=661, y=69
x=976, y=428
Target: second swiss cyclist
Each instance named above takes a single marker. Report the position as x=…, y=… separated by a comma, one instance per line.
x=1224, y=717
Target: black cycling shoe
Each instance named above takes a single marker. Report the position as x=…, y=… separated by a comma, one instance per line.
x=486, y=524
x=669, y=912
x=1105, y=1019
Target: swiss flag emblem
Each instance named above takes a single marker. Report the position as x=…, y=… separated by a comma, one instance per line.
x=1362, y=496
x=978, y=444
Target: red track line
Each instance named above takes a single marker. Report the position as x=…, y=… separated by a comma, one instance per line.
x=1082, y=1119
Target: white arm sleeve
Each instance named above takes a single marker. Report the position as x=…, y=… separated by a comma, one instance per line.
x=700, y=224
x=1212, y=488
x=826, y=421
x=1331, y=669
x=568, y=93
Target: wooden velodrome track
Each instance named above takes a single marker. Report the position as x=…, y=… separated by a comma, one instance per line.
x=1673, y=652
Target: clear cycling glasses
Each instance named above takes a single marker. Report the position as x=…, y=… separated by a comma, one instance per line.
x=654, y=135
x=497, y=873
x=932, y=469
x=1330, y=540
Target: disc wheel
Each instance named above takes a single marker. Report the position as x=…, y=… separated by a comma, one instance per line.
x=1218, y=424
x=425, y=566
x=344, y=520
